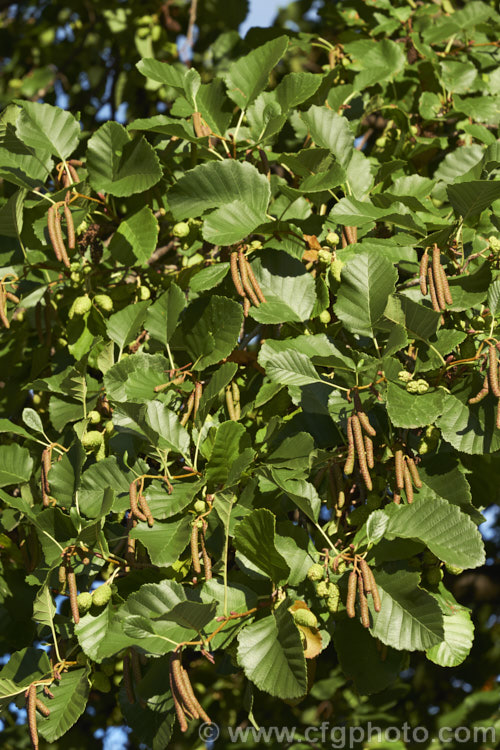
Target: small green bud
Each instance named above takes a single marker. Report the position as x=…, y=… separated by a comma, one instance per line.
x=433, y=576
x=422, y=386
x=316, y=572
x=454, y=570
x=200, y=506
x=181, y=229
x=325, y=256
x=80, y=306
x=144, y=293
x=412, y=386
x=333, y=589
x=332, y=603
x=256, y=245
x=94, y=417
x=84, y=601
x=101, y=682
x=325, y=317
x=305, y=617
x=494, y=243
x=87, y=270
x=92, y=440
x=336, y=268
x=404, y=376
x=102, y=595
x=104, y=302
x=322, y=589
x=332, y=239
x=75, y=277
x=381, y=142
x=73, y=267
x=429, y=558
x=81, y=658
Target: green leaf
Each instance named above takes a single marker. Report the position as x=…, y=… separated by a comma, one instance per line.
x=16, y=464
x=289, y=290
x=210, y=329
x=330, y=130
x=221, y=377
x=31, y=419
x=254, y=537
x=367, y=281
x=209, y=277
x=409, y=618
x=494, y=297
x=123, y=326
x=230, y=442
x=134, y=378
x=44, y=127
x=302, y=493
x=165, y=541
x=71, y=693
x=420, y=322
x=166, y=424
x=118, y=165
x=190, y=615
x=470, y=428
x=449, y=533
x=248, y=75
x=101, y=636
x=135, y=239
x=19, y=164
x=22, y=669
x=470, y=198
x=43, y=607
x=458, y=632
x=171, y=75
x=163, y=315
x=410, y=410
x=295, y=88
x=380, y=60
x=288, y=367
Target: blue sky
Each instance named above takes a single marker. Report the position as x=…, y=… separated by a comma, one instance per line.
x=262, y=13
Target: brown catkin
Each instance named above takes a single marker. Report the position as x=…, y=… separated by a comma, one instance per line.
x=188, y=696
x=482, y=393
x=365, y=574
x=246, y=307
x=31, y=710
x=255, y=283
x=181, y=716
x=360, y=450
x=408, y=484
x=424, y=262
x=374, y=591
x=235, y=275
x=365, y=422
x=59, y=236
x=189, y=409
x=198, y=390
x=398, y=464
x=432, y=291
x=62, y=573
x=349, y=463
x=437, y=276
x=351, y=594
x=146, y=510
x=73, y=593
x=498, y=415
x=230, y=404
x=339, y=481
x=363, y=604
x=127, y=679
x=134, y=507
x=370, y=460
x=70, y=227
x=130, y=553
x=446, y=287
x=236, y=398
x=73, y=173
x=189, y=689
x=180, y=686
x=195, y=554
x=42, y=707
x=12, y=297
x=414, y=472
x=243, y=266
x=396, y=498
x=493, y=370
x=3, y=308
x=51, y=226
x=207, y=562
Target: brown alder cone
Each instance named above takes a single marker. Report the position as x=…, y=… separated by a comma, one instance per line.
x=414, y=472
x=73, y=593
x=127, y=678
x=31, y=710
x=432, y=291
x=243, y=266
x=363, y=604
x=255, y=283
x=482, y=393
x=408, y=484
x=360, y=450
x=351, y=594
x=424, y=262
x=134, y=507
x=493, y=370
x=194, y=700
x=235, y=274
x=398, y=464
x=349, y=463
x=42, y=707
x=369, y=452
x=195, y=554
x=70, y=227
x=181, y=716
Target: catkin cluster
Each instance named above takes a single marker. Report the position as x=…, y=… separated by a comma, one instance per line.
x=244, y=281
x=490, y=382
x=406, y=475
x=362, y=582
x=186, y=703
x=198, y=533
x=55, y=231
x=193, y=403
x=433, y=279
x=4, y=296
x=32, y=704
x=358, y=444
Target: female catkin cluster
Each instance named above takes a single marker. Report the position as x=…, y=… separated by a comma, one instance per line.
x=433, y=279
x=358, y=444
x=407, y=475
x=490, y=382
x=244, y=281
x=186, y=703
x=55, y=231
x=362, y=582
x=139, y=507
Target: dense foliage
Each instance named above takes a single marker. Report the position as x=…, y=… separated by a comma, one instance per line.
x=249, y=370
